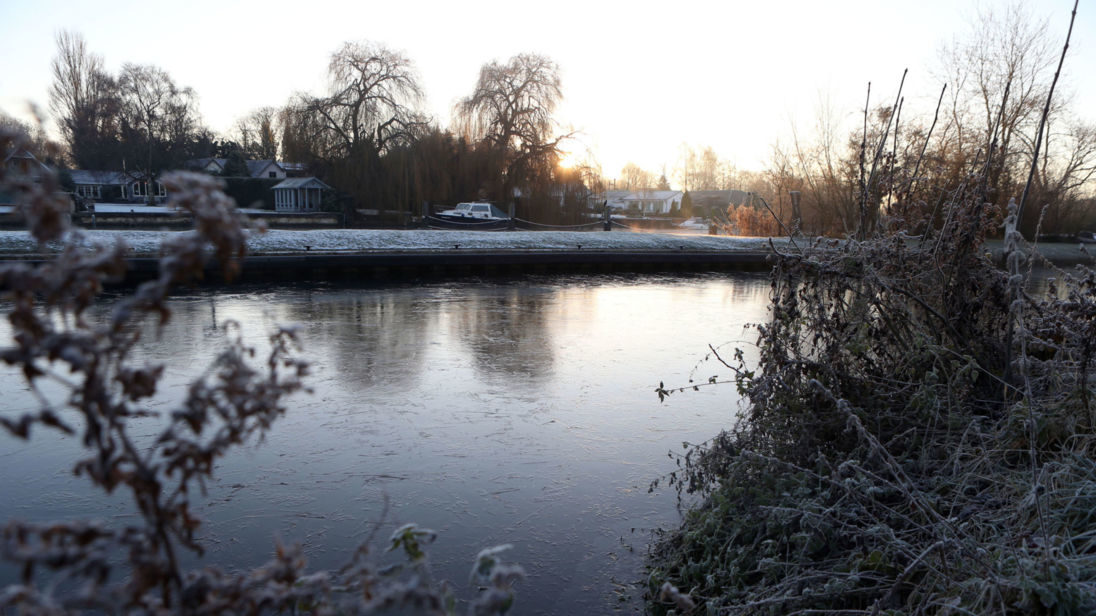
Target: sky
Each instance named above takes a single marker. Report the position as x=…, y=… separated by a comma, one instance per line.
x=640, y=79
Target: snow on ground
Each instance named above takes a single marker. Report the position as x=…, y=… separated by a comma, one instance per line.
x=382, y=240
x=123, y=208
x=282, y=241
x=137, y=208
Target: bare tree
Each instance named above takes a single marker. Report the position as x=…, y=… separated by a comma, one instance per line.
x=84, y=101
x=373, y=99
x=632, y=177
x=158, y=120
x=1001, y=72
x=707, y=170
x=512, y=110
x=258, y=133
x=32, y=137
x=685, y=171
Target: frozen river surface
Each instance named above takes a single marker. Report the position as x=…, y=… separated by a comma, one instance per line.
x=509, y=411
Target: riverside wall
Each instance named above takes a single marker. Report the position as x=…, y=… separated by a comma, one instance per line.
x=410, y=265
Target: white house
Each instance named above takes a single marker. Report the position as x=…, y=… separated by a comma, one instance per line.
x=299, y=195
x=647, y=202
x=114, y=185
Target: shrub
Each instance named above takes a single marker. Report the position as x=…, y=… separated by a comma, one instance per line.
x=918, y=439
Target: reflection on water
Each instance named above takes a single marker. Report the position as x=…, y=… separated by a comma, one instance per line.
x=506, y=333
x=497, y=412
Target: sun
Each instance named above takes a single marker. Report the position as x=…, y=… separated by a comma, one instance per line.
x=568, y=159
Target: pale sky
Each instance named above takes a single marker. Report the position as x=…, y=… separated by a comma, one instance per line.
x=639, y=78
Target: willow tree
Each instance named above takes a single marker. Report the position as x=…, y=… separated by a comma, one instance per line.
x=372, y=102
x=371, y=108
x=511, y=109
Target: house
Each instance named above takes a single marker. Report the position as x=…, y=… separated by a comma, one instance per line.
x=22, y=162
x=215, y=166
x=299, y=194
x=646, y=202
x=100, y=185
x=294, y=170
x=111, y=186
x=266, y=169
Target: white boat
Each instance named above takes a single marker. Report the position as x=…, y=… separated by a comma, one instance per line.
x=474, y=212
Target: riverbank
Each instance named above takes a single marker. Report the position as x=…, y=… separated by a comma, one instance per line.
x=353, y=254
x=380, y=254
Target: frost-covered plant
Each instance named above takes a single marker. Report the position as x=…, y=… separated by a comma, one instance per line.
x=918, y=437
x=68, y=567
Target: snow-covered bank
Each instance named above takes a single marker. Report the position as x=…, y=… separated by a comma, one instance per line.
x=378, y=240
x=281, y=241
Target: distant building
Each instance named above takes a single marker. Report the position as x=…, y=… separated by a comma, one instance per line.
x=114, y=186
x=215, y=166
x=17, y=161
x=299, y=195
x=266, y=169
x=294, y=170
x=23, y=162
x=646, y=202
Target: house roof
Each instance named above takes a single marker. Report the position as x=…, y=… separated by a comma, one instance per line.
x=309, y=182
x=202, y=163
x=80, y=176
x=24, y=155
x=256, y=167
x=633, y=195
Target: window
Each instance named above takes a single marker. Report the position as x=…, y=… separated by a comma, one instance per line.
x=272, y=174
x=140, y=189
x=88, y=191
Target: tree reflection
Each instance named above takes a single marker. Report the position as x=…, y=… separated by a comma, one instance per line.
x=507, y=333
x=373, y=338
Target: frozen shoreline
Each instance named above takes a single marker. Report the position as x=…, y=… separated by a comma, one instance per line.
x=278, y=241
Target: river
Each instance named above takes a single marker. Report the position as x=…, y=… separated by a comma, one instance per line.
x=516, y=411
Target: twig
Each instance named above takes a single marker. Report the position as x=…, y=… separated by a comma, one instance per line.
x=1046, y=112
